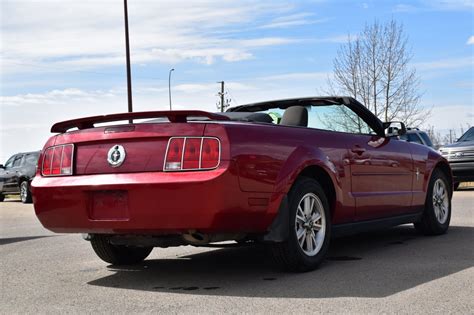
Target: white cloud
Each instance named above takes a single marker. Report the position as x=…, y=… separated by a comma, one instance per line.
x=449, y=5
x=293, y=20
x=451, y=117
x=470, y=40
x=78, y=34
x=406, y=8
x=446, y=64
x=435, y=5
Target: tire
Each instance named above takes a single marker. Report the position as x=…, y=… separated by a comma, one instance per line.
x=456, y=186
x=290, y=254
x=437, y=213
x=118, y=254
x=2, y=197
x=25, y=193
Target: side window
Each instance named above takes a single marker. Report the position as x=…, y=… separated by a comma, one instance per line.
x=17, y=161
x=337, y=118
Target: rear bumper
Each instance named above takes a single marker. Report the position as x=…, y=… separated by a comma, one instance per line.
x=463, y=171
x=152, y=203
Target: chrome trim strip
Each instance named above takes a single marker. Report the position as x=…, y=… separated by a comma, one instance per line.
x=200, y=153
x=182, y=154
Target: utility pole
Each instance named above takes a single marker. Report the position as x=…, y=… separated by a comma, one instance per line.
x=127, y=53
x=224, y=103
x=221, y=94
x=169, y=85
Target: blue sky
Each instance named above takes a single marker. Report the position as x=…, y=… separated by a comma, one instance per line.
x=65, y=59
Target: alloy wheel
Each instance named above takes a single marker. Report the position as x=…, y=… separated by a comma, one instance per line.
x=440, y=201
x=310, y=224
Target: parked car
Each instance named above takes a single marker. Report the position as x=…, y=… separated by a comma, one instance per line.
x=416, y=135
x=461, y=157
x=326, y=169
x=16, y=175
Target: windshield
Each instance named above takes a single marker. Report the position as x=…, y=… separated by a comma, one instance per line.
x=468, y=136
x=329, y=117
x=426, y=139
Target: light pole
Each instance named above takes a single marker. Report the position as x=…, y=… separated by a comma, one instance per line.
x=169, y=85
x=127, y=54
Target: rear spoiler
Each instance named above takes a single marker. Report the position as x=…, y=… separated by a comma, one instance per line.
x=178, y=116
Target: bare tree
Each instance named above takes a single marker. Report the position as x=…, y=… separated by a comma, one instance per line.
x=374, y=67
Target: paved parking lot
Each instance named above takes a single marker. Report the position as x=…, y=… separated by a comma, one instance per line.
x=393, y=271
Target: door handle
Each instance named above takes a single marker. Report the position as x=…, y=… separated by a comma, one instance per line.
x=357, y=149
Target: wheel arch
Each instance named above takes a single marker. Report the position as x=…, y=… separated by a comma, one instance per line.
x=444, y=167
x=22, y=179
x=295, y=168
x=322, y=176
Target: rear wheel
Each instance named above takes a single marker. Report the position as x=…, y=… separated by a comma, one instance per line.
x=437, y=213
x=25, y=193
x=2, y=197
x=118, y=254
x=309, y=226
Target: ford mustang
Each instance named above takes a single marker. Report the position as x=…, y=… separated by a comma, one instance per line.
x=289, y=173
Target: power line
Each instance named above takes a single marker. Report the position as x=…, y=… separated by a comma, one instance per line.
x=232, y=97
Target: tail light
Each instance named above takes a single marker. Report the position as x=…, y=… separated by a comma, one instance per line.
x=57, y=160
x=192, y=153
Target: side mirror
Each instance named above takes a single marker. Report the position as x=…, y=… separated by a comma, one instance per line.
x=394, y=128
x=1, y=166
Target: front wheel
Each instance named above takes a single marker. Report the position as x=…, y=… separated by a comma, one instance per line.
x=25, y=193
x=437, y=213
x=118, y=254
x=309, y=226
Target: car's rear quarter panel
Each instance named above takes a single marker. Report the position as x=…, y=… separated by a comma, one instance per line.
x=270, y=158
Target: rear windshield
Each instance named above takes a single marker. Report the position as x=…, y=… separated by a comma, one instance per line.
x=31, y=158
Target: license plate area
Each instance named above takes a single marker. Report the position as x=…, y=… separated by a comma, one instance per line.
x=108, y=205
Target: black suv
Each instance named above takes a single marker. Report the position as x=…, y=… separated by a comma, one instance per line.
x=16, y=175
x=461, y=157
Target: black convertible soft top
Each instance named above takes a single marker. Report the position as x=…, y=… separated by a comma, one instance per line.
x=348, y=101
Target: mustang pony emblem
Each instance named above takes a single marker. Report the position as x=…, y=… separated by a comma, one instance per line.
x=116, y=155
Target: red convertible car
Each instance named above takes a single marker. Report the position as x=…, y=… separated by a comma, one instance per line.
x=291, y=173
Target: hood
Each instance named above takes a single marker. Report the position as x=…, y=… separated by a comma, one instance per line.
x=459, y=146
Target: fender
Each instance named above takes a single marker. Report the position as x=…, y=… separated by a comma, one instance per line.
x=301, y=158
x=435, y=160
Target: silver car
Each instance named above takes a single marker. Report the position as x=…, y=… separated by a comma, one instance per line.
x=461, y=157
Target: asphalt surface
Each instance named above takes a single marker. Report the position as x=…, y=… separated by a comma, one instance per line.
x=391, y=271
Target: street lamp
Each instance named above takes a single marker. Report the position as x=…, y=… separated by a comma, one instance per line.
x=169, y=85
x=127, y=54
